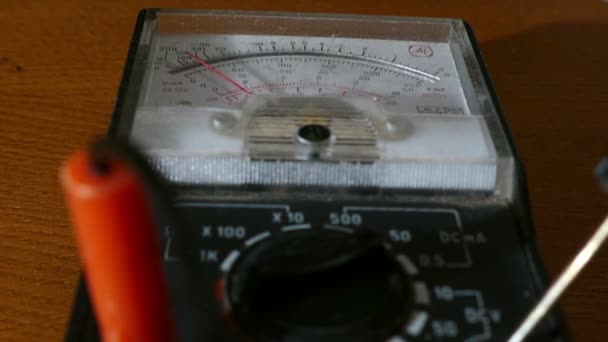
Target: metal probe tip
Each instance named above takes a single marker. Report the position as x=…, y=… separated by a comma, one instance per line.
x=563, y=281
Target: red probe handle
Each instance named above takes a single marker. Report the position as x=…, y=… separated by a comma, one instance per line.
x=117, y=238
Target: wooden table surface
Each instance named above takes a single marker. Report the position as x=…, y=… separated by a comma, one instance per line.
x=60, y=66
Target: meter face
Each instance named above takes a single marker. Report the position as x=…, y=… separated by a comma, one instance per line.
x=217, y=70
x=222, y=97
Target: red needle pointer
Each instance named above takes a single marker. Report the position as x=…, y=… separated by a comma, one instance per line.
x=219, y=73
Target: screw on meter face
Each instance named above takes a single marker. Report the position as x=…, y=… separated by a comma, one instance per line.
x=314, y=133
x=221, y=70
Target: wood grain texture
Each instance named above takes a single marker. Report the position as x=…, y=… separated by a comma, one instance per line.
x=60, y=66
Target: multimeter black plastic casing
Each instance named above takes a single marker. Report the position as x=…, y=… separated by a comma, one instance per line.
x=507, y=260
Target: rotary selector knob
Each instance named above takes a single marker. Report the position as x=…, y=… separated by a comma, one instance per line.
x=319, y=285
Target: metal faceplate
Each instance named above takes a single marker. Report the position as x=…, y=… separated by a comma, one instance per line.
x=472, y=276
